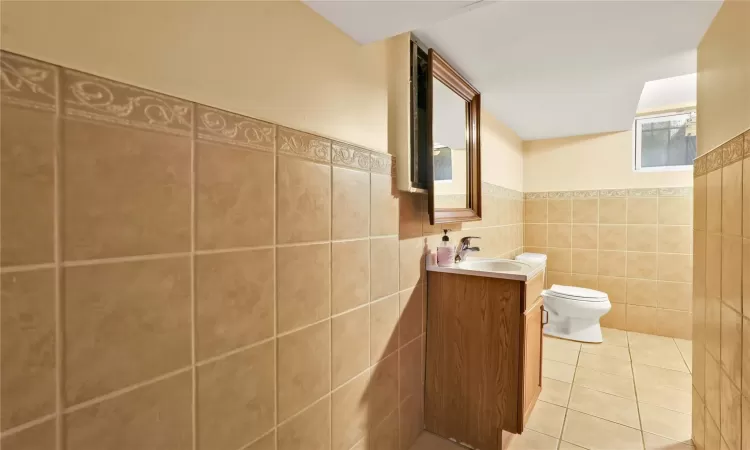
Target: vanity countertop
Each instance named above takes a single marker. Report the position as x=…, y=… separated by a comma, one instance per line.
x=506, y=269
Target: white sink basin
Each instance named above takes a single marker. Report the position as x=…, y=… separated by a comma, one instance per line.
x=494, y=265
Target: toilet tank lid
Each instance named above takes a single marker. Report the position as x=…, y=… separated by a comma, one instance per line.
x=532, y=257
x=579, y=292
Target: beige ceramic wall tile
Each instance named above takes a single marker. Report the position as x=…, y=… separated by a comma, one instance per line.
x=157, y=415
x=267, y=442
x=642, y=292
x=311, y=429
x=350, y=212
x=612, y=263
x=746, y=357
x=350, y=345
x=304, y=368
x=384, y=270
x=713, y=202
x=535, y=235
x=731, y=199
x=606, y=406
x=303, y=203
x=642, y=319
x=642, y=210
x=584, y=281
x=349, y=413
x=585, y=236
x=585, y=210
x=411, y=308
x=27, y=148
x=731, y=271
x=672, y=295
x=236, y=398
x=535, y=210
x=664, y=422
x=713, y=266
x=713, y=435
x=411, y=421
x=125, y=323
x=616, y=317
x=40, y=436
x=675, y=267
x=385, y=435
x=713, y=327
x=559, y=260
x=676, y=324
x=559, y=235
x=613, y=210
x=612, y=237
x=675, y=239
x=410, y=215
x=614, y=287
x=303, y=289
x=699, y=420
x=382, y=393
x=584, y=261
x=731, y=413
x=558, y=278
x=642, y=265
x=745, y=423
x=234, y=197
x=699, y=205
x=27, y=308
x=350, y=274
x=731, y=344
x=384, y=205
x=411, y=261
x=746, y=277
x=234, y=300
x=593, y=432
x=410, y=369
x=558, y=211
x=642, y=238
x=713, y=387
x=384, y=319
x=675, y=210
x=151, y=170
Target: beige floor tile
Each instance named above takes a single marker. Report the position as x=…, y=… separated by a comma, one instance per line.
x=531, y=440
x=561, y=344
x=429, y=441
x=606, y=364
x=674, y=399
x=656, y=376
x=659, y=357
x=598, y=434
x=558, y=371
x=615, y=337
x=665, y=423
x=641, y=340
x=555, y=392
x=654, y=442
x=605, y=406
x=568, y=446
x=547, y=418
x=604, y=382
x=566, y=356
x=610, y=351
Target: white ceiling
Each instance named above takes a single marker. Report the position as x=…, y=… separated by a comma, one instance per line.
x=674, y=91
x=546, y=68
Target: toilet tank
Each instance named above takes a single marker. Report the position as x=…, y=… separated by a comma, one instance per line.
x=533, y=258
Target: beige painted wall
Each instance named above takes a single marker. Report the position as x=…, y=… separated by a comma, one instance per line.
x=502, y=154
x=724, y=77
x=278, y=61
x=600, y=161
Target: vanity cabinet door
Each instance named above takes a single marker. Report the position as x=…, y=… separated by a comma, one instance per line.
x=532, y=357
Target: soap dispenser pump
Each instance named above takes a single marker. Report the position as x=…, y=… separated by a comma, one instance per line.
x=446, y=253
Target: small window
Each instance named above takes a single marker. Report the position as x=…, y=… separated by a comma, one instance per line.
x=665, y=142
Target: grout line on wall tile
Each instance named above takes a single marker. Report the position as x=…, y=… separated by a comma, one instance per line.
x=303, y=410
x=294, y=330
x=126, y=390
x=57, y=243
x=125, y=259
x=258, y=439
x=233, y=250
x=193, y=283
x=31, y=423
x=28, y=268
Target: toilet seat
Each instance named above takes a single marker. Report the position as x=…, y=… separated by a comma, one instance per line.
x=576, y=294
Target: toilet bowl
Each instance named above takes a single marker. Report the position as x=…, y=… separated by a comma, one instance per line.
x=574, y=312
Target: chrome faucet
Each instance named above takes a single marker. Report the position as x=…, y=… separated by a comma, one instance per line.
x=463, y=247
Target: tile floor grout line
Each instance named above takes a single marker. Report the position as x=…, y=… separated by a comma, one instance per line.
x=570, y=394
x=635, y=389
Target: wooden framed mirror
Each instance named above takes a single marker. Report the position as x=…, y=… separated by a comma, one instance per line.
x=454, y=180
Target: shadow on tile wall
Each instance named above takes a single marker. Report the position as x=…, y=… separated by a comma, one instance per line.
x=633, y=244
x=721, y=326
x=174, y=276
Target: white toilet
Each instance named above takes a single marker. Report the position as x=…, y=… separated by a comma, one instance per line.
x=574, y=312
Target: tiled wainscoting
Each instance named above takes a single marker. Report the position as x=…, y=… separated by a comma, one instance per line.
x=633, y=244
x=721, y=297
x=179, y=277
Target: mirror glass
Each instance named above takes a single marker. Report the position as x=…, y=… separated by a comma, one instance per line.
x=449, y=137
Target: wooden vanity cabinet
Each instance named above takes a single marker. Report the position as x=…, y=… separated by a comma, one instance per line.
x=483, y=357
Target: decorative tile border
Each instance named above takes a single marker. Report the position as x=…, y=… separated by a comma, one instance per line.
x=215, y=125
x=304, y=145
x=29, y=83
x=346, y=155
x=607, y=193
x=699, y=166
x=723, y=155
x=98, y=99
x=382, y=163
x=732, y=151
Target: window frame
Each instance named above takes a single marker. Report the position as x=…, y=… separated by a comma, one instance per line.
x=650, y=118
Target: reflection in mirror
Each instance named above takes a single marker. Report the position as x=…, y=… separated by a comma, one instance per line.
x=449, y=122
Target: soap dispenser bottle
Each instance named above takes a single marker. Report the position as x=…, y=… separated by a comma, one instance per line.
x=446, y=253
